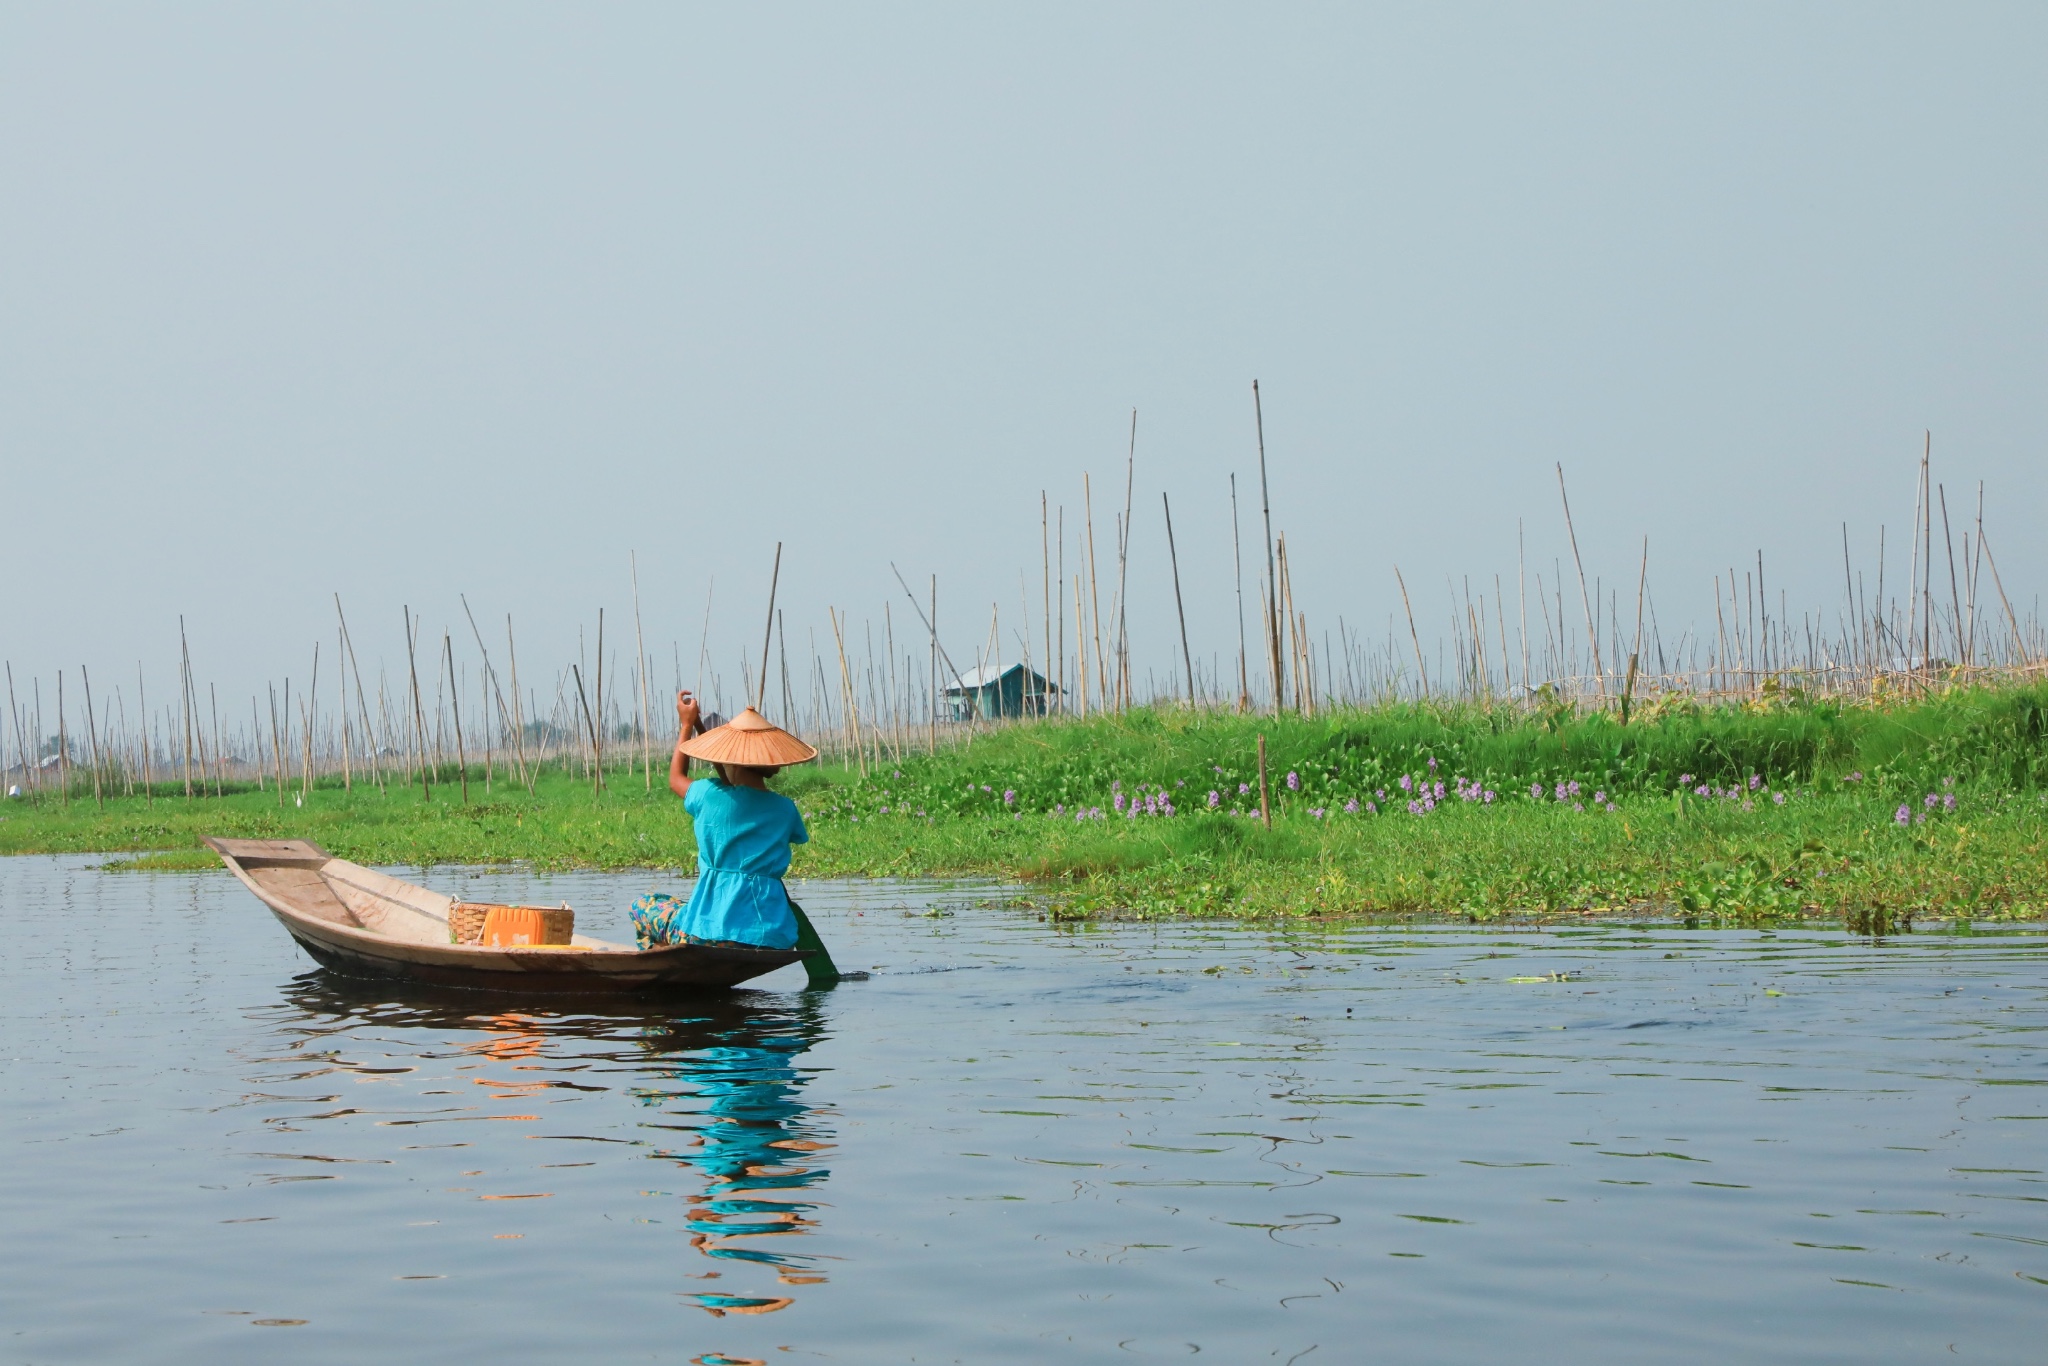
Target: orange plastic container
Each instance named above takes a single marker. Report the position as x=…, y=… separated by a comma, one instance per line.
x=508, y=927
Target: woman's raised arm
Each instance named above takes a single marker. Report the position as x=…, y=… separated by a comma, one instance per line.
x=688, y=722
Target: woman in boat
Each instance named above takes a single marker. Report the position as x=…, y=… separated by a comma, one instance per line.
x=744, y=835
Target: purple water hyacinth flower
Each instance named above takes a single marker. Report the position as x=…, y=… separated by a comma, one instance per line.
x=1948, y=782
x=884, y=811
x=1575, y=787
x=1536, y=790
x=1215, y=799
x=1439, y=791
x=1415, y=808
x=1372, y=808
x=1755, y=781
x=1700, y=791
x=1490, y=795
x=1316, y=811
x=1009, y=796
x=1684, y=779
x=1059, y=808
x=1600, y=799
x=1407, y=783
x=985, y=788
x=1351, y=807
x=1855, y=777
x=1244, y=789
x=1948, y=801
x=1117, y=785
x=1432, y=765
x=1118, y=800
x=1903, y=815
x=1560, y=793
x=1929, y=801
x=1429, y=803
x=1777, y=799
x=1166, y=806
x=1151, y=806
x=1293, y=781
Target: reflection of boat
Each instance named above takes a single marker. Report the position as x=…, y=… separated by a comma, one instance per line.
x=358, y=921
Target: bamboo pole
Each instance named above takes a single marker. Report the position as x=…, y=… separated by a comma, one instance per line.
x=142, y=708
x=846, y=694
x=1065, y=693
x=20, y=743
x=2018, y=638
x=362, y=704
x=1949, y=546
x=219, y=750
x=92, y=730
x=1045, y=583
x=1272, y=578
x=767, y=634
x=1414, y=637
x=590, y=727
x=933, y=622
x=276, y=748
x=419, y=714
x=1522, y=598
x=311, y=709
x=1244, y=691
x=64, y=748
x=455, y=705
x=1095, y=590
x=1080, y=653
x=1180, y=610
x=526, y=771
x=184, y=697
x=1265, y=806
x=704, y=641
x=1927, y=559
x=1592, y=635
x=640, y=674
x=1123, y=561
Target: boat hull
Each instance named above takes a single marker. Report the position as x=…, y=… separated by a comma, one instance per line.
x=361, y=923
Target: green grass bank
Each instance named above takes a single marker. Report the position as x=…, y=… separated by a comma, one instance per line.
x=1931, y=807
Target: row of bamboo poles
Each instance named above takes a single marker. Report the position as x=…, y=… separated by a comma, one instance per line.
x=867, y=699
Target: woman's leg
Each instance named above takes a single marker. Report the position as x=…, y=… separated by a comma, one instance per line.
x=819, y=969
x=654, y=920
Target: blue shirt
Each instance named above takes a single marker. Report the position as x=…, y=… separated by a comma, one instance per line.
x=743, y=840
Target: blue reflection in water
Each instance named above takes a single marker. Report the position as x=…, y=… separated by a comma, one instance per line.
x=756, y=1137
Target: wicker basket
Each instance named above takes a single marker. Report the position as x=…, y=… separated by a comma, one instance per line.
x=555, y=924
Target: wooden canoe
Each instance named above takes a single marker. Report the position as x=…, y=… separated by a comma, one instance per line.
x=363, y=923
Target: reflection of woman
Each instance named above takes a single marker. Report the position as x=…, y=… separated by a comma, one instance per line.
x=744, y=834
x=756, y=1140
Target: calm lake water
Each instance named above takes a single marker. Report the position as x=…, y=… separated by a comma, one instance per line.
x=1019, y=1142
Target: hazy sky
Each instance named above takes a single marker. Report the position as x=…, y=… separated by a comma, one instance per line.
x=405, y=301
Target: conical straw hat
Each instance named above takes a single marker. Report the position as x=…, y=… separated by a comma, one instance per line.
x=751, y=741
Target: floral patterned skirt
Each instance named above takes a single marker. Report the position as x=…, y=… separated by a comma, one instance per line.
x=657, y=920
